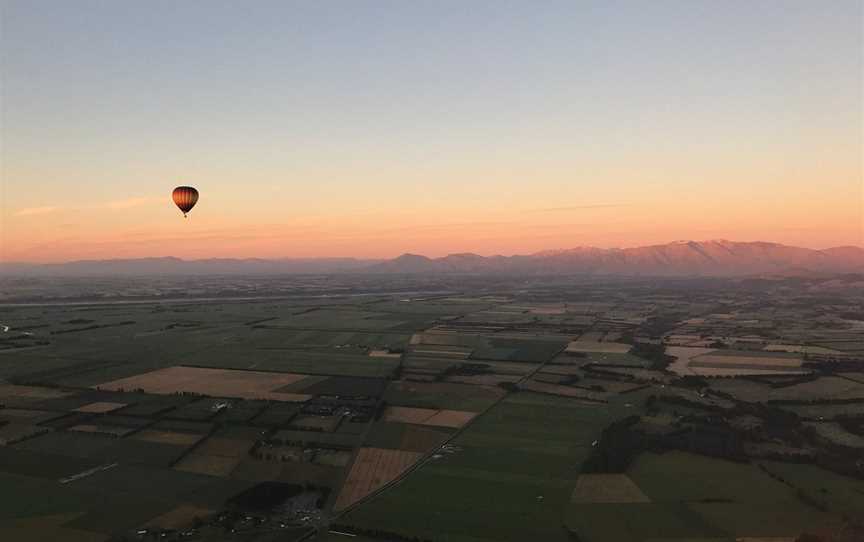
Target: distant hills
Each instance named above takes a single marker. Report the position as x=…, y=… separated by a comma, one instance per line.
x=682, y=258
x=176, y=266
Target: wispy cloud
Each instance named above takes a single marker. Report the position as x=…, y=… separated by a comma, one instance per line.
x=29, y=211
x=580, y=207
x=121, y=204
x=128, y=203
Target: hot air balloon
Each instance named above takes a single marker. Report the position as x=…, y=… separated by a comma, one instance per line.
x=185, y=197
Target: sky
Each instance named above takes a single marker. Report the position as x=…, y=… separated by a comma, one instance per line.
x=373, y=128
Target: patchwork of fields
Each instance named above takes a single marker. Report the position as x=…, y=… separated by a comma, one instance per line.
x=509, y=415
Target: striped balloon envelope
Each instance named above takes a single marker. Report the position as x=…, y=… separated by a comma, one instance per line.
x=185, y=197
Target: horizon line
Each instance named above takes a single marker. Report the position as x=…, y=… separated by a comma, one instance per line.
x=332, y=257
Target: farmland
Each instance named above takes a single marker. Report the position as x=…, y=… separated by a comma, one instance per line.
x=506, y=453
x=470, y=410
x=373, y=468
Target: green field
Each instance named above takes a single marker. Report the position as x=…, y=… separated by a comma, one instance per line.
x=441, y=395
x=829, y=387
x=509, y=477
x=328, y=361
x=635, y=522
x=839, y=494
x=736, y=498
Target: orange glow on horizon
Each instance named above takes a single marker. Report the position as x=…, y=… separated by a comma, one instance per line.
x=155, y=228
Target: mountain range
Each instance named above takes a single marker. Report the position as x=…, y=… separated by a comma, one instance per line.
x=681, y=258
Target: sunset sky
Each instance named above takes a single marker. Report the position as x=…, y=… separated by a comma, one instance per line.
x=373, y=128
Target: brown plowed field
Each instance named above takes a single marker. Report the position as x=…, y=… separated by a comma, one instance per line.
x=212, y=382
x=372, y=469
